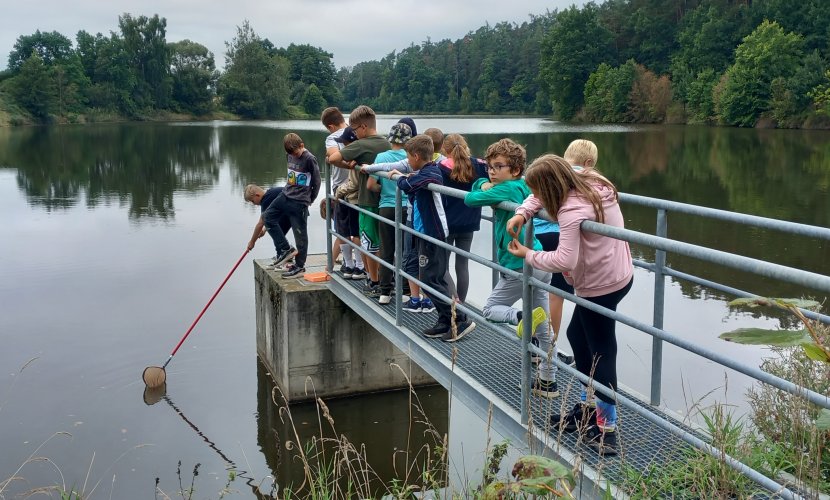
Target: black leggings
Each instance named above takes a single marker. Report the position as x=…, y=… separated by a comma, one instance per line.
x=592, y=337
x=464, y=241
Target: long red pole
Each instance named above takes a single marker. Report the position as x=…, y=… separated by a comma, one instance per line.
x=205, y=308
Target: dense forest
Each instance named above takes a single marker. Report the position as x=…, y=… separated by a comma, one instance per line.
x=733, y=62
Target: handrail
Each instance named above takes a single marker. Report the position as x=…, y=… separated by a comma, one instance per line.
x=661, y=244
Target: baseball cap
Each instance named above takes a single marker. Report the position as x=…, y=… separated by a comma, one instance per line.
x=399, y=134
x=348, y=135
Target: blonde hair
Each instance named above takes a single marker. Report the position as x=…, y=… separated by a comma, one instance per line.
x=437, y=138
x=455, y=147
x=551, y=179
x=251, y=190
x=580, y=151
x=420, y=146
x=363, y=115
x=292, y=142
x=515, y=154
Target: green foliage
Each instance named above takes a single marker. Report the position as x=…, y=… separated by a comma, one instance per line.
x=148, y=59
x=572, y=49
x=534, y=475
x=194, y=76
x=823, y=421
x=33, y=88
x=607, y=91
x=51, y=48
x=766, y=54
x=255, y=82
x=310, y=66
x=762, y=336
x=313, y=101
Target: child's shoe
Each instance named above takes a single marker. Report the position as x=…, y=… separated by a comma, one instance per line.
x=294, y=272
x=358, y=274
x=426, y=305
x=581, y=415
x=602, y=441
x=436, y=331
x=412, y=305
x=462, y=329
x=544, y=388
x=284, y=256
x=384, y=298
x=539, y=316
x=347, y=272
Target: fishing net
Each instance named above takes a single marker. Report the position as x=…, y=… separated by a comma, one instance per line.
x=154, y=376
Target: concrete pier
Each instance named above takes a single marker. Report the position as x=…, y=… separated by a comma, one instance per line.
x=315, y=346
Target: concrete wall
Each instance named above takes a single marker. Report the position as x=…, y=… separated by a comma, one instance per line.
x=313, y=344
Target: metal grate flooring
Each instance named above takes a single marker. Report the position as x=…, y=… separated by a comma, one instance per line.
x=495, y=362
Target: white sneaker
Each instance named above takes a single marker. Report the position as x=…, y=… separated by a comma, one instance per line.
x=385, y=299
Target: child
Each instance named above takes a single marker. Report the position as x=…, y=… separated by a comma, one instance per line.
x=300, y=191
x=598, y=267
x=348, y=219
x=429, y=219
x=262, y=198
x=459, y=170
x=398, y=136
x=505, y=164
x=364, y=123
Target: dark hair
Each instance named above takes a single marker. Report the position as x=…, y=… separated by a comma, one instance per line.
x=332, y=116
x=420, y=146
x=515, y=154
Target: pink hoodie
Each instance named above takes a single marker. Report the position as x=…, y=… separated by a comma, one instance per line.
x=594, y=264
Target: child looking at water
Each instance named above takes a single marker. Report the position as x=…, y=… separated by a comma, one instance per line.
x=429, y=219
x=300, y=191
x=505, y=164
x=598, y=267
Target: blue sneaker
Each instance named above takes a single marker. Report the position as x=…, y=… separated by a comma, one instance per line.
x=412, y=305
x=427, y=306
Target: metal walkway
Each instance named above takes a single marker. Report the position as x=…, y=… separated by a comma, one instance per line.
x=483, y=370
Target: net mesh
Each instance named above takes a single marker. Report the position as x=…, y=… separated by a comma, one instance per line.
x=154, y=376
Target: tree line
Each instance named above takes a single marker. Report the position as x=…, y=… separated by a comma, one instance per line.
x=734, y=62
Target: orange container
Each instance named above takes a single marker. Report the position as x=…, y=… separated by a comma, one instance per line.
x=316, y=277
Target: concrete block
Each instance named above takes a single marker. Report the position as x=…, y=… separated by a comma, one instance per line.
x=315, y=346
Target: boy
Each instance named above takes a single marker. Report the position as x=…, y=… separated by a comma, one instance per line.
x=398, y=136
x=505, y=165
x=363, y=151
x=263, y=198
x=428, y=218
x=300, y=191
x=345, y=218
x=350, y=217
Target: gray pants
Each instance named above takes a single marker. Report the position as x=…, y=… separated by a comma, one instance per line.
x=499, y=309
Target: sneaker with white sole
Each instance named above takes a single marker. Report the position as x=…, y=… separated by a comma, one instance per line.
x=539, y=317
x=462, y=329
x=544, y=388
x=384, y=299
x=294, y=272
x=412, y=305
x=284, y=256
x=358, y=274
x=426, y=305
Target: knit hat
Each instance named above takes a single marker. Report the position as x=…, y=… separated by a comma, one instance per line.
x=409, y=121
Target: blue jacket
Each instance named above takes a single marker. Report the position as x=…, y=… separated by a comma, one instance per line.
x=462, y=218
x=428, y=208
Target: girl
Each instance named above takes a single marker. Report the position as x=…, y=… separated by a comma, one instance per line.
x=598, y=267
x=460, y=170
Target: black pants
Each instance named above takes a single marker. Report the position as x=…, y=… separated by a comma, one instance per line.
x=387, y=249
x=464, y=241
x=297, y=214
x=432, y=262
x=593, y=339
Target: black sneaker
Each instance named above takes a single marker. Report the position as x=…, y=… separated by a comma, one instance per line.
x=371, y=290
x=462, y=329
x=436, y=331
x=346, y=271
x=564, y=357
x=575, y=418
x=604, y=442
x=294, y=272
x=358, y=274
x=544, y=388
x=283, y=257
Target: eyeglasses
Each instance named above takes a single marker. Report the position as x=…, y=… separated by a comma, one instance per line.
x=357, y=127
x=495, y=167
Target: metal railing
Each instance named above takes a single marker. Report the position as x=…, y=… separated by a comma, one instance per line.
x=662, y=245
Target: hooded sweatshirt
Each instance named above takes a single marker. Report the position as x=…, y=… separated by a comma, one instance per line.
x=515, y=191
x=594, y=264
x=428, y=209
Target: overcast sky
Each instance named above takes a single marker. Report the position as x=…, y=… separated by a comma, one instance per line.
x=353, y=30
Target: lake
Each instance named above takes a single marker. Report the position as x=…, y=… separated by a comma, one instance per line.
x=113, y=238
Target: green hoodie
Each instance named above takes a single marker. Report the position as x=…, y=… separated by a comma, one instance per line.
x=515, y=191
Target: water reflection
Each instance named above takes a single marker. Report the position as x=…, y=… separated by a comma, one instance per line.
x=389, y=428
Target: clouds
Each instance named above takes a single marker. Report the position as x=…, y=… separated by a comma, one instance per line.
x=352, y=30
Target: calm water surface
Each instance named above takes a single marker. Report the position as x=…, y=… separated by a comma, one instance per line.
x=113, y=237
